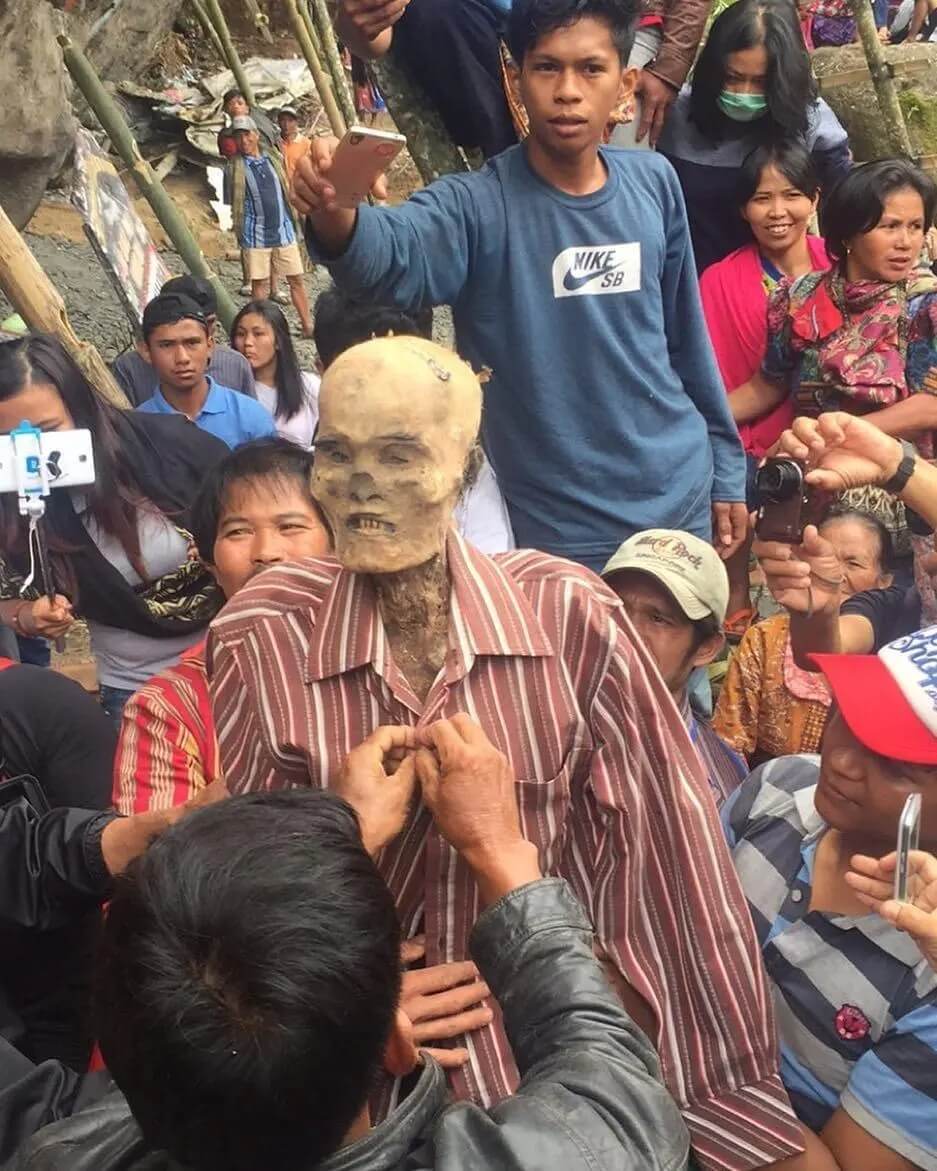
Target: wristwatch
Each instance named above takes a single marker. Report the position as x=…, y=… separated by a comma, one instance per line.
x=905, y=468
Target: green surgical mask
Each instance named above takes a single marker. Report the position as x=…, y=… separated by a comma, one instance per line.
x=742, y=107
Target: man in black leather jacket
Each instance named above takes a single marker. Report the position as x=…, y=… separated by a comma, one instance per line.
x=227, y=1085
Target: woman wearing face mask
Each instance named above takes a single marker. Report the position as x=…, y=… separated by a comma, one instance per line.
x=768, y=705
x=261, y=333
x=777, y=196
x=752, y=85
x=119, y=548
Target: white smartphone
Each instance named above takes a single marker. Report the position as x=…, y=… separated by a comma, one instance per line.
x=909, y=828
x=68, y=458
x=360, y=157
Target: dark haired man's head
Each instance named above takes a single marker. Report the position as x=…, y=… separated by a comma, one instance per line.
x=255, y=510
x=341, y=322
x=875, y=218
x=532, y=20
x=754, y=67
x=248, y=982
x=571, y=73
x=177, y=342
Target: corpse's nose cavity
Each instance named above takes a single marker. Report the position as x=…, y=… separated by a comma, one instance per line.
x=362, y=487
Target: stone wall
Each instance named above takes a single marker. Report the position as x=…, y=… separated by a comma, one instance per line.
x=37, y=128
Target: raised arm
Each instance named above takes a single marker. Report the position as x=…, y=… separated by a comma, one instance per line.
x=417, y=254
x=366, y=26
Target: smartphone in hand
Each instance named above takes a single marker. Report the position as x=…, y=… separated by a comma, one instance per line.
x=361, y=156
x=909, y=827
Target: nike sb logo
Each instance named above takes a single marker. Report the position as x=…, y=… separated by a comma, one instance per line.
x=592, y=272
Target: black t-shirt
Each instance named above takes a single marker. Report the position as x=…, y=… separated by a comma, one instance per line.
x=51, y=728
x=892, y=612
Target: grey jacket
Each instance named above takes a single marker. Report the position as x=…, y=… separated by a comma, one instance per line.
x=590, y=1097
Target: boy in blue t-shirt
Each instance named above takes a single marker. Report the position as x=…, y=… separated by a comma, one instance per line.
x=177, y=344
x=569, y=268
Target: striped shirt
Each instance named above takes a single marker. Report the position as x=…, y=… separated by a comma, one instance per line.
x=267, y=222
x=856, y=1002
x=610, y=789
x=167, y=750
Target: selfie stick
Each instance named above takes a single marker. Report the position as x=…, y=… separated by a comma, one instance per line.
x=32, y=488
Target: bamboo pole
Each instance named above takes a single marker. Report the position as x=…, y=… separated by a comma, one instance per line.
x=199, y=9
x=166, y=212
x=39, y=303
x=880, y=72
x=307, y=21
x=260, y=19
x=216, y=16
x=323, y=26
x=428, y=141
x=316, y=68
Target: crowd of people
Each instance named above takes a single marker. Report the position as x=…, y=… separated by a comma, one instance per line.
x=495, y=765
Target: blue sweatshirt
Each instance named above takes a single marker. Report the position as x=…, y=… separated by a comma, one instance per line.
x=605, y=413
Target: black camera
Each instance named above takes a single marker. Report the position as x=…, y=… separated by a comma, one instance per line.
x=786, y=502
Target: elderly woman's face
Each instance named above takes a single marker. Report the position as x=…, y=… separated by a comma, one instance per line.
x=890, y=250
x=859, y=554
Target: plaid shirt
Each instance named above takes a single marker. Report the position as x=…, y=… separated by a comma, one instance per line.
x=610, y=789
x=167, y=750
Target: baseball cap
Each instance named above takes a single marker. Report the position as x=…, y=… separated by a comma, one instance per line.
x=889, y=700
x=290, y=110
x=687, y=566
x=243, y=122
x=196, y=288
x=167, y=309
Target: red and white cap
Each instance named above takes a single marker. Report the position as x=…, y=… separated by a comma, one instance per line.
x=889, y=700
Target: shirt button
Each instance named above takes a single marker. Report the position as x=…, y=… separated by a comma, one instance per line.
x=796, y=895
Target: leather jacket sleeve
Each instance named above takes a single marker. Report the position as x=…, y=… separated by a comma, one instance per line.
x=32, y=1096
x=51, y=864
x=683, y=27
x=590, y=1093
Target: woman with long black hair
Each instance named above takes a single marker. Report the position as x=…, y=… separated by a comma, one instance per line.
x=262, y=334
x=752, y=86
x=120, y=549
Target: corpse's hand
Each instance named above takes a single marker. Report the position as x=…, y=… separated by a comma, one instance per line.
x=873, y=881
x=730, y=526
x=805, y=578
x=657, y=96
x=841, y=451
x=441, y=1002
x=377, y=780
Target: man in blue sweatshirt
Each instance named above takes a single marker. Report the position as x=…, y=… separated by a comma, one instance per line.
x=571, y=275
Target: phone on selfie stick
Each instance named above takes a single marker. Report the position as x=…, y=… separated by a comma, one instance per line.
x=32, y=463
x=909, y=829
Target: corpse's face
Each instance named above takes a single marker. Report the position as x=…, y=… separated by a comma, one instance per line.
x=397, y=421
x=862, y=793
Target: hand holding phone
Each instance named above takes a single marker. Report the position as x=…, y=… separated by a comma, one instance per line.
x=362, y=156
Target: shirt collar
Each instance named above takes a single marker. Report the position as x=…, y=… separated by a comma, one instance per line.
x=488, y=615
x=214, y=404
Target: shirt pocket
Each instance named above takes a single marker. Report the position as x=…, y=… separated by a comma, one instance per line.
x=544, y=810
